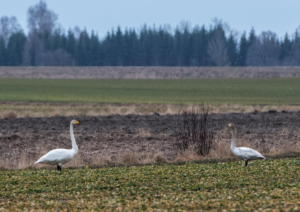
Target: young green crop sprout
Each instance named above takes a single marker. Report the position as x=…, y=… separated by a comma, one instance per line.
x=59, y=157
x=245, y=153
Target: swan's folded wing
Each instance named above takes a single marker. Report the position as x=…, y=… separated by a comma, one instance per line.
x=56, y=156
x=249, y=153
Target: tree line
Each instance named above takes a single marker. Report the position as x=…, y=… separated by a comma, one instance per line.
x=47, y=44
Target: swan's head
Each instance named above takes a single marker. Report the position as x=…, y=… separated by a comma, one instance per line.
x=75, y=122
x=231, y=126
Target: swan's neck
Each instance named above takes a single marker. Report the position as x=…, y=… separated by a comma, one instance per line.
x=74, y=145
x=233, y=139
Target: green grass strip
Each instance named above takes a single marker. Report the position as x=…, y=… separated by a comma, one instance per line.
x=211, y=91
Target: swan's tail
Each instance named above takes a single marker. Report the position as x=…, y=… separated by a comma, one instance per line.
x=262, y=157
x=36, y=162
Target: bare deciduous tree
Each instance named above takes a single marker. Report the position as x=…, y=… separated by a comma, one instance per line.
x=8, y=26
x=33, y=50
x=217, y=49
x=41, y=23
x=41, y=19
x=58, y=57
x=264, y=50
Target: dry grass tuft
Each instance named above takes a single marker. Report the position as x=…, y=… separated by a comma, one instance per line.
x=188, y=155
x=221, y=146
x=143, y=132
x=159, y=158
x=10, y=115
x=129, y=158
x=102, y=160
x=76, y=162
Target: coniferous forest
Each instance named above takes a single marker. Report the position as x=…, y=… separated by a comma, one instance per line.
x=46, y=43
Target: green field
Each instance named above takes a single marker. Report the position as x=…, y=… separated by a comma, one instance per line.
x=266, y=185
x=214, y=91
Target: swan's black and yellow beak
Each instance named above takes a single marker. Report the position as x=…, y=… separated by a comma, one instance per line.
x=77, y=122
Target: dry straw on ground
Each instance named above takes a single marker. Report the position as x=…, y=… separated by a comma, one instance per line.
x=22, y=109
x=220, y=151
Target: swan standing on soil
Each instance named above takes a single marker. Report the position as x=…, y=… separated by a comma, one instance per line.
x=61, y=156
x=245, y=153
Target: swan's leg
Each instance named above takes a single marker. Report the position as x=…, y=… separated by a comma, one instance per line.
x=246, y=162
x=58, y=167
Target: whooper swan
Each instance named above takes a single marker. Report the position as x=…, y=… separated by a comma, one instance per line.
x=59, y=157
x=245, y=153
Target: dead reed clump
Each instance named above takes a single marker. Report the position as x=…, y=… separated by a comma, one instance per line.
x=23, y=161
x=283, y=149
x=6, y=163
x=16, y=160
x=221, y=147
x=220, y=150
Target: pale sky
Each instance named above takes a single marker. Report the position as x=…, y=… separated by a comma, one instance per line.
x=279, y=16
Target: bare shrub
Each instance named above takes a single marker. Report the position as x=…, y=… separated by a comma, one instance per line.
x=193, y=131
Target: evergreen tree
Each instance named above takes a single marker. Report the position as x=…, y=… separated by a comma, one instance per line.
x=94, y=59
x=3, y=54
x=71, y=43
x=82, y=55
x=286, y=49
x=15, y=49
x=295, y=53
x=232, y=50
x=243, y=50
x=130, y=41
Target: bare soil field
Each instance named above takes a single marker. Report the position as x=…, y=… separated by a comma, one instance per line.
x=140, y=139
x=154, y=72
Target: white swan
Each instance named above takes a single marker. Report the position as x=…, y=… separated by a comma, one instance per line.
x=245, y=153
x=61, y=156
